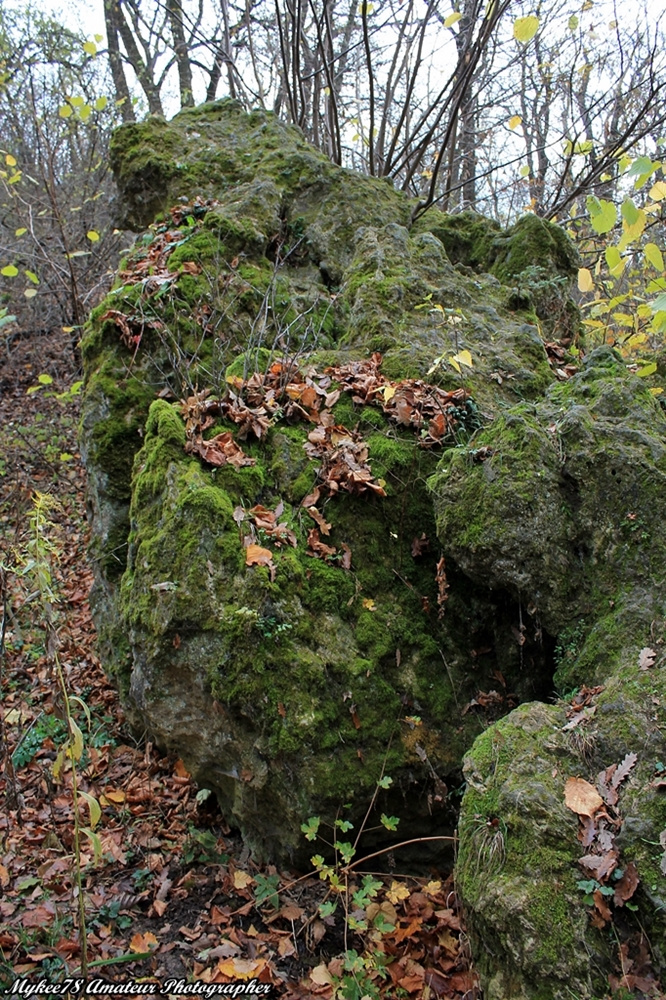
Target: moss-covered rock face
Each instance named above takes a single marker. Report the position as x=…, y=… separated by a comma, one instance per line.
x=289, y=688
x=563, y=503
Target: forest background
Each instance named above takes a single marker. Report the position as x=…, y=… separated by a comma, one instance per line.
x=556, y=109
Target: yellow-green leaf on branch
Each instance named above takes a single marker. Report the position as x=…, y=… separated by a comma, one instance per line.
x=585, y=280
x=525, y=28
x=658, y=191
x=654, y=255
x=452, y=18
x=76, y=744
x=603, y=214
x=101, y=103
x=648, y=369
x=56, y=770
x=96, y=843
x=614, y=260
x=464, y=358
x=65, y=110
x=93, y=806
x=90, y=48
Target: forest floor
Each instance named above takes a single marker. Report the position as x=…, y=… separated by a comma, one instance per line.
x=174, y=895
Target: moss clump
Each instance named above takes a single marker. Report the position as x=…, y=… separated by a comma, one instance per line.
x=468, y=238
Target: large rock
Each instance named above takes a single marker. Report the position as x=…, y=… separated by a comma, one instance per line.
x=291, y=683
x=567, y=512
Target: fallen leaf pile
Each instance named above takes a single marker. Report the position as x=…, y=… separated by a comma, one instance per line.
x=424, y=949
x=599, y=824
x=556, y=358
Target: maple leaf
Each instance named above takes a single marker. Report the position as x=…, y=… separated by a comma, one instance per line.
x=242, y=879
x=582, y=797
x=397, y=892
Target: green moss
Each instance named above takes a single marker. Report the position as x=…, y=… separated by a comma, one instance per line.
x=467, y=237
x=533, y=242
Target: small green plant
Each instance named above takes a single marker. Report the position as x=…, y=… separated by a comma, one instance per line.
x=46, y=727
x=109, y=913
x=201, y=847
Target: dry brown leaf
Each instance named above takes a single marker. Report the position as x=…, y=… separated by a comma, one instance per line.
x=581, y=797
x=321, y=976
x=627, y=885
x=255, y=555
x=143, y=942
x=646, y=658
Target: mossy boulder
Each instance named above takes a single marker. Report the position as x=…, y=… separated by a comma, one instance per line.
x=562, y=503
x=290, y=688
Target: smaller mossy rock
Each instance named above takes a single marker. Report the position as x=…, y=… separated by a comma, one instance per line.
x=533, y=242
x=563, y=503
x=518, y=863
x=468, y=238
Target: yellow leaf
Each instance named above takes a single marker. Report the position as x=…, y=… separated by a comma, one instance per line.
x=369, y=604
x=9, y=271
x=101, y=103
x=93, y=806
x=65, y=110
x=452, y=18
x=90, y=48
x=585, y=280
x=10, y=160
x=654, y=255
x=397, y=892
x=453, y=361
x=658, y=191
x=464, y=358
x=114, y=796
x=56, y=770
x=93, y=235
x=525, y=28
x=98, y=38
x=389, y=392
x=515, y=121
x=242, y=879
x=21, y=231
x=432, y=888
x=76, y=746
x=656, y=391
